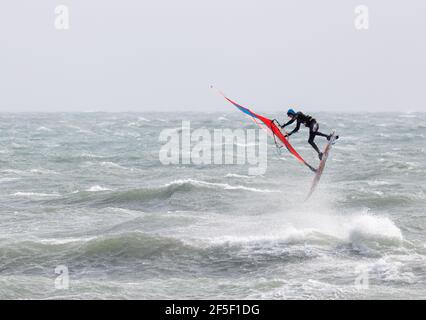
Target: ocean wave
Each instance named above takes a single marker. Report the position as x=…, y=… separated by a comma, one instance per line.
x=408, y=116
x=91, y=156
x=35, y=194
x=45, y=129
x=378, y=183
x=116, y=197
x=224, y=186
x=90, y=251
x=110, y=164
x=72, y=158
x=97, y=188
x=139, y=122
x=60, y=241
x=215, y=248
x=389, y=269
x=134, y=196
x=381, y=199
x=15, y=145
x=143, y=251
x=242, y=176
x=265, y=241
x=43, y=171
x=13, y=171
x=364, y=233
x=367, y=232
x=133, y=245
x=28, y=173
x=170, y=193
x=3, y=180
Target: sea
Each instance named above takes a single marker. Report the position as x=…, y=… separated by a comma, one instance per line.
x=88, y=210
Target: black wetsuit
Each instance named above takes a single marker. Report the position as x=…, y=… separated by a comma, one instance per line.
x=309, y=122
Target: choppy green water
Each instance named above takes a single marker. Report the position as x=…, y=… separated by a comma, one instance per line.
x=88, y=191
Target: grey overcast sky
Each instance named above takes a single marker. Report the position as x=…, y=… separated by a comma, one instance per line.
x=162, y=55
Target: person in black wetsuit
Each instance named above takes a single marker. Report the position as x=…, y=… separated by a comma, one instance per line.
x=309, y=122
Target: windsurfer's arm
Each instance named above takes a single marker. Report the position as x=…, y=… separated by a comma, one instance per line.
x=288, y=123
x=295, y=129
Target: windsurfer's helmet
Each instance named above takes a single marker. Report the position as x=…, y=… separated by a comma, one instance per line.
x=291, y=113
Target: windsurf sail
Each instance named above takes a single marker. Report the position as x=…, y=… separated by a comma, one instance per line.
x=276, y=132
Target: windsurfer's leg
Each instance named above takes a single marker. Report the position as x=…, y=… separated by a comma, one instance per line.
x=315, y=127
x=313, y=130
x=311, y=141
x=321, y=134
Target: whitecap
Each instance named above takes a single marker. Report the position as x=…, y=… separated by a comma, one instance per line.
x=97, y=188
x=366, y=230
x=378, y=183
x=56, y=241
x=42, y=171
x=17, y=145
x=45, y=129
x=2, y=180
x=110, y=164
x=13, y=171
x=235, y=175
x=35, y=194
x=224, y=186
x=91, y=155
x=387, y=269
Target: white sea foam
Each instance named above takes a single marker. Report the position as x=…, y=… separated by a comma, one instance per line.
x=143, y=119
x=43, y=171
x=17, y=145
x=13, y=171
x=388, y=269
x=110, y=164
x=91, y=155
x=378, y=183
x=35, y=194
x=366, y=230
x=3, y=180
x=242, y=176
x=224, y=186
x=45, y=129
x=56, y=241
x=97, y=189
